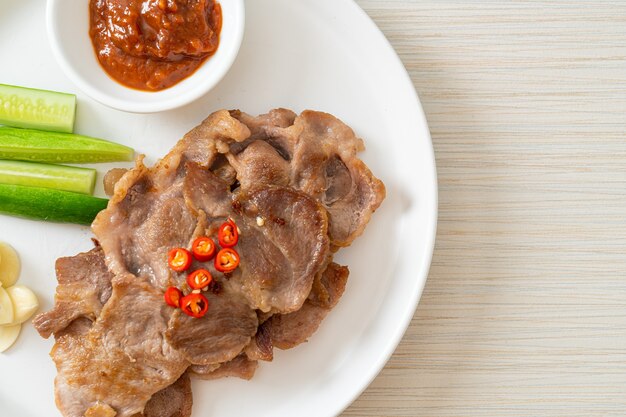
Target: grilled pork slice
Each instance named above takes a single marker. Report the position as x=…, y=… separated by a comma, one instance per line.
x=289, y=330
x=294, y=187
x=286, y=331
x=156, y=209
x=316, y=153
x=122, y=360
x=84, y=287
x=173, y=401
x=219, y=336
x=284, y=238
x=240, y=367
x=285, y=246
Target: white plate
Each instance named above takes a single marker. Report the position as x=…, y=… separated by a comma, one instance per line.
x=315, y=54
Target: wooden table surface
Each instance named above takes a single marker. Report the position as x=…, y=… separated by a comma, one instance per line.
x=524, y=312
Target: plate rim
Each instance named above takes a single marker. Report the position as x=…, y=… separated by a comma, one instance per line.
x=402, y=328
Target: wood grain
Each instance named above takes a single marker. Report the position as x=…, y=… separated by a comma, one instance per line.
x=524, y=312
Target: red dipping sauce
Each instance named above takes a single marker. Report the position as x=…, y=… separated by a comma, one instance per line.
x=153, y=44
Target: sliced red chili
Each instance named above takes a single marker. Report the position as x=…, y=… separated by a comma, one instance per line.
x=194, y=305
x=179, y=259
x=226, y=260
x=199, y=279
x=173, y=296
x=227, y=235
x=203, y=249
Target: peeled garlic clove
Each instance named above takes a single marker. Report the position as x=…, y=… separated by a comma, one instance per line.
x=6, y=307
x=9, y=265
x=8, y=336
x=25, y=303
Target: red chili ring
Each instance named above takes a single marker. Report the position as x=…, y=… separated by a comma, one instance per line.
x=194, y=305
x=179, y=259
x=226, y=260
x=199, y=279
x=203, y=248
x=227, y=235
x=173, y=296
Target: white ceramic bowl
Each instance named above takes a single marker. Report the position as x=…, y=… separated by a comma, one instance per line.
x=68, y=32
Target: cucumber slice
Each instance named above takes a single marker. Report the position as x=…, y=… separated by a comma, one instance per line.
x=39, y=146
x=37, y=109
x=60, y=177
x=51, y=205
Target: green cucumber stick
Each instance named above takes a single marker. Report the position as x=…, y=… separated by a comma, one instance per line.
x=51, y=205
x=39, y=146
x=60, y=177
x=37, y=109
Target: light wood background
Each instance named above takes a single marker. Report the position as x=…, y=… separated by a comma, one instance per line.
x=524, y=312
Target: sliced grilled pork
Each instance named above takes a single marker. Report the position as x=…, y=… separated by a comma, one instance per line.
x=261, y=347
x=294, y=187
x=173, y=401
x=286, y=331
x=204, y=191
x=289, y=330
x=138, y=229
x=84, y=287
x=240, y=367
x=261, y=163
x=219, y=336
x=319, y=152
x=148, y=214
x=284, y=244
x=122, y=360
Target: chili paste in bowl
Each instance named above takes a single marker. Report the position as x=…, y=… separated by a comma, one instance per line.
x=145, y=56
x=154, y=44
